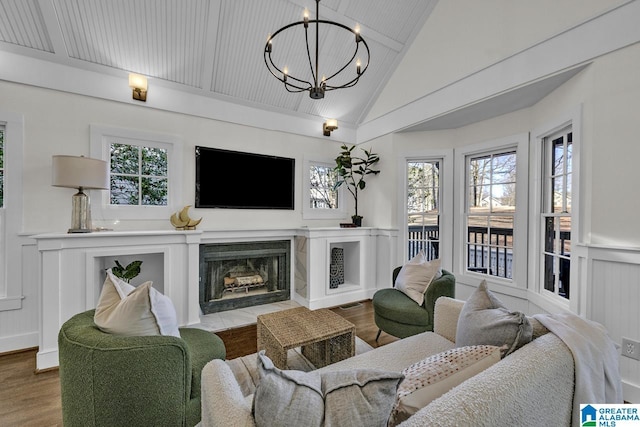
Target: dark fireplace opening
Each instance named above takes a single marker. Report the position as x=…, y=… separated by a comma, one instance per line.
x=243, y=274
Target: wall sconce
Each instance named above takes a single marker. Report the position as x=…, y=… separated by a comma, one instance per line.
x=139, y=85
x=329, y=126
x=83, y=173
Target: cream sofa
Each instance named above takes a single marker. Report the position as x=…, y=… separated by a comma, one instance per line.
x=532, y=386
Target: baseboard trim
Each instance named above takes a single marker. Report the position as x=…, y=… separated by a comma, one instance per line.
x=19, y=342
x=631, y=392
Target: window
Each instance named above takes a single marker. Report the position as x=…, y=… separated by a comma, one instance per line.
x=145, y=178
x=320, y=199
x=423, y=207
x=491, y=207
x=138, y=175
x=557, y=152
x=322, y=194
x=492, y=193
x=11, y=271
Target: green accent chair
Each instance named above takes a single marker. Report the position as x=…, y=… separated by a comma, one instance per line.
x=400, y=316
x=110, y=380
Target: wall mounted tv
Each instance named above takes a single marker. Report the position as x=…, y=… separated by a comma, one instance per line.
x=237, y=180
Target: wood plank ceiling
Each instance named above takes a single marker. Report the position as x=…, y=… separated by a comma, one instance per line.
x=214, y=47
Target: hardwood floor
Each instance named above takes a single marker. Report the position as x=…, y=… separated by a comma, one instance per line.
x=29, y=399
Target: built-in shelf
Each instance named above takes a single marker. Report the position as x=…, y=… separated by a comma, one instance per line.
x=72, y=269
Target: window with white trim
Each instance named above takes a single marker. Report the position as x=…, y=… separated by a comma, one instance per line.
x=490, y=211
x=557, y=156
x=423, y=207
x=492, y=190
x=145, y=178
x=138, y=175
x=320, y=197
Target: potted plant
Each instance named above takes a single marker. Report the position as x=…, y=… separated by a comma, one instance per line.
x=126, y=273
x=351, y=171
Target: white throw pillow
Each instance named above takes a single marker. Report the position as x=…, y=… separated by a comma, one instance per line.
x=415, y=276
x=126, y=310
x=485, y=320
x=434, y=376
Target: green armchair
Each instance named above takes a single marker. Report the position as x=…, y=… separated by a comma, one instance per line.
x=110, y=380
x=400, y=316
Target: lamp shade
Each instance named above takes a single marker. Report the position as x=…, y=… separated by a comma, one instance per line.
x=77, y=172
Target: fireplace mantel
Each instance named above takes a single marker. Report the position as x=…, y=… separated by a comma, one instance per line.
x=72, y=268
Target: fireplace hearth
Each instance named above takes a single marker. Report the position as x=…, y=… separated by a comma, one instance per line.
x=243, y=274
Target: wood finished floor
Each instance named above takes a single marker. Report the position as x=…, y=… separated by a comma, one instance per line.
x=29, y=399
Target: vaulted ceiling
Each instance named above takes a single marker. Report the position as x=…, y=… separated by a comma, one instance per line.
x=213, y=47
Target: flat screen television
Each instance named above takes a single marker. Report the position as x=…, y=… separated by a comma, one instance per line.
x=237, y=180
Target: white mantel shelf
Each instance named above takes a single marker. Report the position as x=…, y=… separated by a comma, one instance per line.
x=71, y=268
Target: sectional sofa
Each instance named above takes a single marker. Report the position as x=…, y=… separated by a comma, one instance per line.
x=532, y=386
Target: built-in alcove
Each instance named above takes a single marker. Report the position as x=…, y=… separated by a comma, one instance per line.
x=152, y=268
x=243, y=274
x=345, y=258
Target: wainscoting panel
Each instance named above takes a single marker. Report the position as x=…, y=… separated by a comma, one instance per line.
x=614, y=301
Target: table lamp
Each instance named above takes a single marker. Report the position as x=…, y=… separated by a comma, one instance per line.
x=83, y=173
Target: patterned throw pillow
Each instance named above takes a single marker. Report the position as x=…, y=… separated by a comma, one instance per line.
x=134, y=311
x=361, y=397
x=485, y=320
x=432, y=377
x=415, y=276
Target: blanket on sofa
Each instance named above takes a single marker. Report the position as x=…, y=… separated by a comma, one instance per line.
x=597, y=375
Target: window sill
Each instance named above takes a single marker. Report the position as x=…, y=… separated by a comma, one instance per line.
x=11, y=303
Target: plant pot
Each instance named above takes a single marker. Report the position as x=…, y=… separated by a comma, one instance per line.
x=357, y=220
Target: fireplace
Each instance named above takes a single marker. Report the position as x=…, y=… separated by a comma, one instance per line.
x=243, y=274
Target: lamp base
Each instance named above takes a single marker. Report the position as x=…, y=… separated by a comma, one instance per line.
x=80, y=213
x=79, y=230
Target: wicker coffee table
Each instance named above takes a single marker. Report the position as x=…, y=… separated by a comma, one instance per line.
x=325, y=337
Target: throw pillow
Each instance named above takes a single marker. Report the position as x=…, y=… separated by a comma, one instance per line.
x=415, y=276
x=434, y=376
x=485, y=320
x=293, y=398
x=123, y=309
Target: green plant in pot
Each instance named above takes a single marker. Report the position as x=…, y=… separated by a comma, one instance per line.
x=126, y=273
x=351, y=170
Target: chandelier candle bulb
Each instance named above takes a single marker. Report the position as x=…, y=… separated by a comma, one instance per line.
x=305, y=16
x=358, y=64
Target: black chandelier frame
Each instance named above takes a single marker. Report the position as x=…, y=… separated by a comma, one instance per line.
x=317, y=87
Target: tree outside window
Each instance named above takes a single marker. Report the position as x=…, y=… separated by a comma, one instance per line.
x=138, y=175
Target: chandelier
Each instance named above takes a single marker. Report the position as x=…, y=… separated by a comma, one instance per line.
x=314, y=84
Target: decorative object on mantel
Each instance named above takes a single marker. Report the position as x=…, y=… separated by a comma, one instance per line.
x=126, y=273
x=347, y=225
x=311, y=80
x=351, y=171
x=336, y=268
x=83, y=173
x=181, y=220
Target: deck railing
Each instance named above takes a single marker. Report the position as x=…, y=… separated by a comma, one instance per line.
x=487, y=252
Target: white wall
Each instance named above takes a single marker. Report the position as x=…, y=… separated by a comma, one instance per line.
x=462, y=37
x=58, y=123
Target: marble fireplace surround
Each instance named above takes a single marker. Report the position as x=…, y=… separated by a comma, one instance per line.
x=72, y=269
